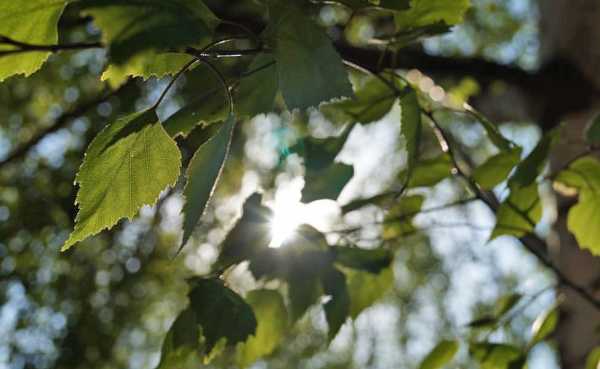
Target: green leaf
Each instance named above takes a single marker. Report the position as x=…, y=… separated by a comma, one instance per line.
x=428, y=172
x=370, y=104
x=256, y=93
x=592, y=132
x=544, y=325
x=428, y=12
x=33, y=22
x=324, y=179
x=181, y=344
x=531, y=167
x=372, y=261
x=519, y=213
x=272, y=325
x=492, y=132
x=131, y=27
x=495, y=355
x=147, y=64
x=377, y=200
x=366, y=288
x=506, y=303
x=249, y=235
x=310, y=70
x=496, y=168
x=126, y=166
x=584, y=175
x=398, y=220
x=410, y=128
x=202, y=175
x=204, y=111
x=327, y=183
x=221, y=313
x=440, y=355
x=593, y=359
x=337, y=308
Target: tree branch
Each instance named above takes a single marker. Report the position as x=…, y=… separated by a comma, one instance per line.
x=23, y=47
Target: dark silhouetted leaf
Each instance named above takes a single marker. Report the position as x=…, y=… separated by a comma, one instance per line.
x=221, y=313
x=181, y=346
x=338, y=307
x=377, y=200
x=410, y=127
x=205, y=110
x=310, y=70
x=531, y=167
x=372, y=261
x=249, y=235
x=256, y=93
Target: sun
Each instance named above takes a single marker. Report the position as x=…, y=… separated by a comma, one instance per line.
x=289, y=213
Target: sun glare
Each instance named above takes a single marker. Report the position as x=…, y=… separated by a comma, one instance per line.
x=289, y=213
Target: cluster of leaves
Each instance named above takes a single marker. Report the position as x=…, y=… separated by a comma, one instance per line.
x=294, y=66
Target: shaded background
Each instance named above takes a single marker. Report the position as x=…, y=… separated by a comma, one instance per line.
x=108, y=303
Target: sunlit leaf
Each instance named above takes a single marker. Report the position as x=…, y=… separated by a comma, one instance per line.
x=428, y=172
x=256, y=93
x=366, y=288
x=428, y=12
x=203, y=174
x=495, y=355
x=496, y=168
x=29, y=21
x=593, y=359
x=544, y=325
x=147, y=64
x=338, y=306
x=410, y=128
x=221, y=313
x=584, y=175
x=310, y=70
x=440, y=355
x=272, y=325
x=372, y=261
x=126, y=166
x=506, y=303
x=519, y=213
x=130, y=27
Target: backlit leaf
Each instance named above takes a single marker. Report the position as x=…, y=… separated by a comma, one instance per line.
x=310, y=70
x=372, y=261
x=203, y=174
x=440, y=355
x=272, y=325
x=519, y=213
x=147, y=64
x=428, y=12
x=398, y=220
x=544, y=325
x=495, y=355
x=496, y=168
x=428, y=172
x=593, y=359
x=256, y=93
x=410, y=128
x=205, y=110
x=584, y=175
x=126, y=166
x=130, y=27
x=366, y=288
x=30, y=21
